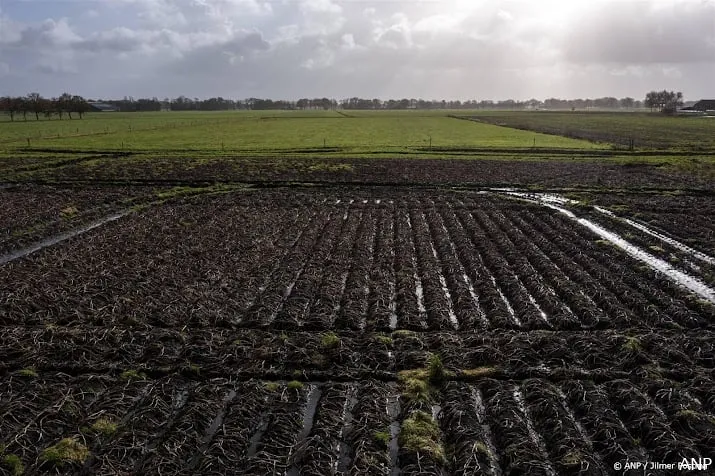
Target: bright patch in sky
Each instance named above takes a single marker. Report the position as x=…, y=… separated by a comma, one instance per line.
x=453, y=49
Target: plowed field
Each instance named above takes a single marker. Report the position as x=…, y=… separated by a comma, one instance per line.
x=356, y=330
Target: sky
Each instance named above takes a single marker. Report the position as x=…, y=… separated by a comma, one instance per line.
x=288, y=49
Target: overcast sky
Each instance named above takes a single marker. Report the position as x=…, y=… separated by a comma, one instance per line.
x=431, y=49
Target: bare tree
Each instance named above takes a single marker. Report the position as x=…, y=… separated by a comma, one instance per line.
x=79, y=105
x=64, y=104
x=10, y=105
x=36, y=104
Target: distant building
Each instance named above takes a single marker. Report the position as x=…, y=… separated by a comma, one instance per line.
x=703, y=105
x=102, y=107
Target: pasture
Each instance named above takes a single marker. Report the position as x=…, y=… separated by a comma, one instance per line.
x=270, y=131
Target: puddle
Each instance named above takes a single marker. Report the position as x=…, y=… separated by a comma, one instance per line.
x=420, y=298
x=539, y=197
x=465, y=278
x=59, y=238
x=344, y=450
x=576, y=423
x=364, y=315
x=286, y=293
x=343, y=284
x=178, y=401
x=362, y=324
x=218, y=421
x=690, y=282
x=310, y=407
x=393, y=308
x=257, y=435
x=289, y=289
x=450, y=306
x=535, y=438
x=443, y=282
x=563, y=400
x=393, y=411
x=666, y=239
x=137, y=402
x=475, y=299
x=276, y=266
x=445, y=290
x=392, y=283
x=506, y=302
x=693, y=284
x=538, y=308
x=212, y=430
x=418, y=282
x=486, y=432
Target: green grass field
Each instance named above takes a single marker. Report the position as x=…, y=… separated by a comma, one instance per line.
x=256, y=131
x=166, y=141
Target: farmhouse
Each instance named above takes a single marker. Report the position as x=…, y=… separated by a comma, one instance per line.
x=102, y=107
x=703, y=105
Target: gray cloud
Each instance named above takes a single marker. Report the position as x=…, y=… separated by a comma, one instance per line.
x=225, y=57
x=639, y=33
x=48, y=34
x=452, y=48
x=117, y=40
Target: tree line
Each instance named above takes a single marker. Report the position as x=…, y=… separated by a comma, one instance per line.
x=183, y=103
x=35, y=104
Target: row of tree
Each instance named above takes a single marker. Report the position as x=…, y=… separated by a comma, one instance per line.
x=183, y=103
x=552, y=103
x=36, y=105
x=665, y=101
